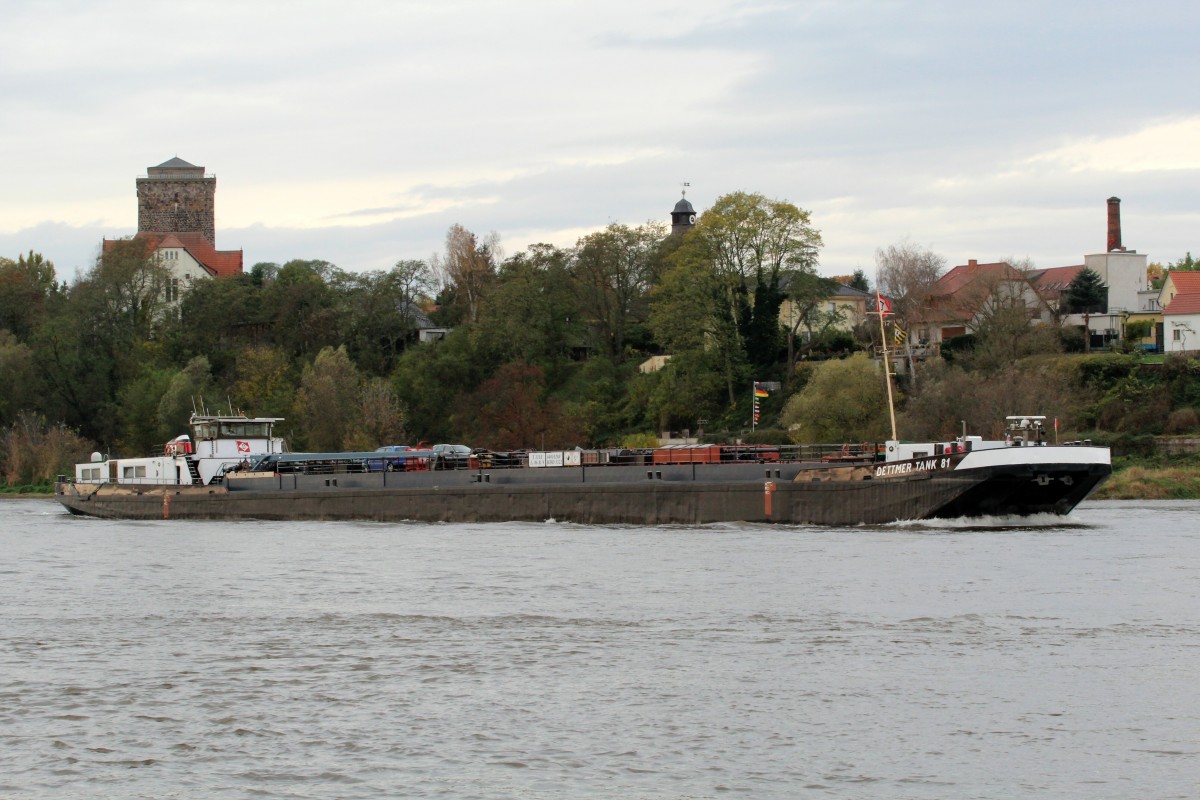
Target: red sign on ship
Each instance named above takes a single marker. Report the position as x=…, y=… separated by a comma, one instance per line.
x=243, y=447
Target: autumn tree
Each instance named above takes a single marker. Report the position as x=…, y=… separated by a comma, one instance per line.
x=468, y=267
x=512, y=410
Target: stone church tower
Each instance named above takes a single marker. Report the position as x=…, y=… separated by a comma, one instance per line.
x=177, y=197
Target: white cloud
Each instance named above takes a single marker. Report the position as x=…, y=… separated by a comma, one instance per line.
x=1169, y=145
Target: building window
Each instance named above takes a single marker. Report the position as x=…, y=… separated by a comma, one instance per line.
x=1175, y=334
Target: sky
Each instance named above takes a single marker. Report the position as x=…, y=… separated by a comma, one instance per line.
x=358, y=132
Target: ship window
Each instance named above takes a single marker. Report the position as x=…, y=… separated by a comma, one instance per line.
x=134, y=472
x=245, y=430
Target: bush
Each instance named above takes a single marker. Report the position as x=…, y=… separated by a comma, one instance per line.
x=32, y=452
x=1182, y=420
x=766, y=436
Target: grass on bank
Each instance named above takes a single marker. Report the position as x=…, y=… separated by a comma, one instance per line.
x=34, y=489
x=1151, y=483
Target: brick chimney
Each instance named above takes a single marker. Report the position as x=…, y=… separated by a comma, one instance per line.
x=1114, y=225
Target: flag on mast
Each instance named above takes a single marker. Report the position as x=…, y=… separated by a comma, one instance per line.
x=759, y=391
x=900, y=335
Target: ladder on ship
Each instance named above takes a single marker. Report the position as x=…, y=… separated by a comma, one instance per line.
x=195, y=473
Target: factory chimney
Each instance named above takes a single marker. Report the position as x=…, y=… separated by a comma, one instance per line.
x=1114, y=225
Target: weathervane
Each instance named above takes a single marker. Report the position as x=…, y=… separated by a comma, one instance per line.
x=685, y=186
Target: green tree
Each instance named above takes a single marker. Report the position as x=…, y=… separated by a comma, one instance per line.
x=844, y=401
x=859, y=281
x=19, y=377
x=740, y=251
x=328, y=402
x=1086, y=294
x=26, y=286
x=753, y=242
x=614, y=270
x=189, y=389
x=530, y=313
x=302, y=309
x=263, y=380
x=383, y=311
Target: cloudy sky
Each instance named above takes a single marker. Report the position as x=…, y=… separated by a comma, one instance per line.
x=359, y=131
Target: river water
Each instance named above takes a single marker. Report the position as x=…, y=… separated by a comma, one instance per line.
x=1053, y=658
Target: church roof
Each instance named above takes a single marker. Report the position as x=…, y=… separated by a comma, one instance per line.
x=684, y=207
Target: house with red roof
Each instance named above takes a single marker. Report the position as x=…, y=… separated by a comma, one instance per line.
x=176, y=214
x=962, y=298
x=1180, y=299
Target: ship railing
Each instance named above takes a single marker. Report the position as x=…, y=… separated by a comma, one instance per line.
x=357, y=463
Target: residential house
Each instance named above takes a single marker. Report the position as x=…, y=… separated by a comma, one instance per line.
x=962, y=298
x=850, y=304
x=1180, y=300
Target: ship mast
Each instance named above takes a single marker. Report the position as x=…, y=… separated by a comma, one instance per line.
x=883, y=308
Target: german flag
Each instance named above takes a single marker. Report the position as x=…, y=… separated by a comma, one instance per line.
x=760, y=392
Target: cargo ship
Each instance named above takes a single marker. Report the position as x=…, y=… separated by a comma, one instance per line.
x=235, y=467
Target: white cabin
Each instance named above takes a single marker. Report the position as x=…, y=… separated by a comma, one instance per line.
x=217, y=445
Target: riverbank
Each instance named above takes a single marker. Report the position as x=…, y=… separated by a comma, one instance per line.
x=1151, y=483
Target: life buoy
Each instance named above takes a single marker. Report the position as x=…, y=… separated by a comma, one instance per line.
x=167, y=450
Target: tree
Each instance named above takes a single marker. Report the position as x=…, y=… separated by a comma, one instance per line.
x=614, y=270
x=26, y=286
x=512, y=411
x=809, y=295
x=747, y=243
x=468, y=267
x=302, y=308
x=859, y=281
x=531, y=313
x=382, y=420
x=328, y=402
x=906, y=273
x=1086, y=294
x=844, y=401
x=18, y=376
x=131, y=284
x=383, y=311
